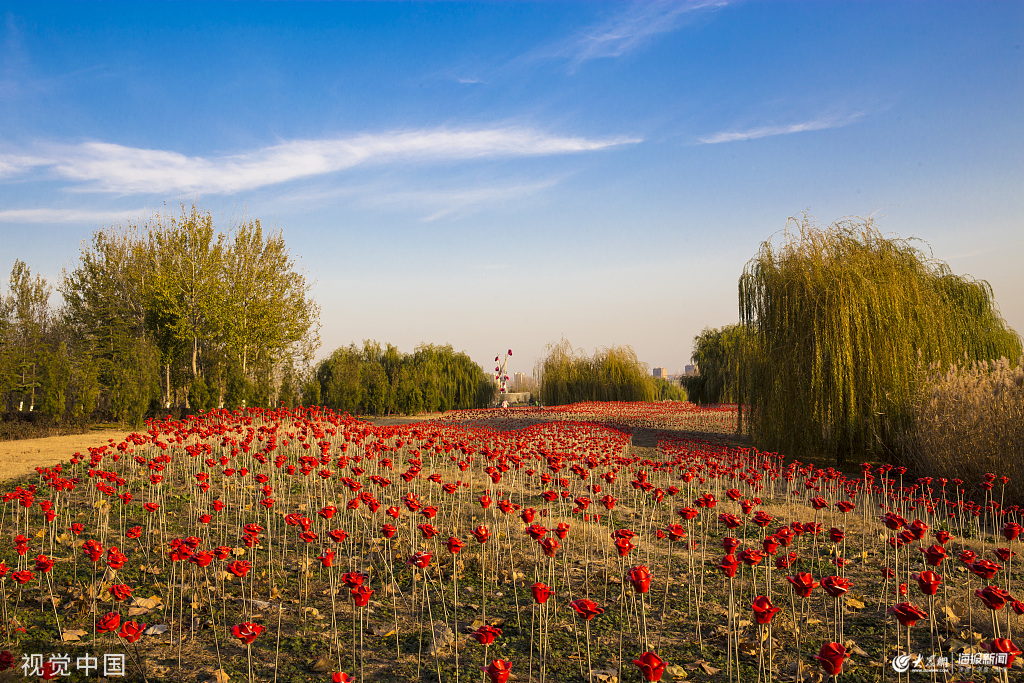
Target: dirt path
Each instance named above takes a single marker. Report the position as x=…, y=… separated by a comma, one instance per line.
x=18, y=458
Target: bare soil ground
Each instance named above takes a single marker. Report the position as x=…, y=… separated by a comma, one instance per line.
x=18, y=458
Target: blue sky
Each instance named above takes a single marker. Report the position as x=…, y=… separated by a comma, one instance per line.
x=498, y=175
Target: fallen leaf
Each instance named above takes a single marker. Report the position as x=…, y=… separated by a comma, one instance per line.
x=382, y=632
x=73, y=634
x=220, y=677
x=676, y=672
x=155, y=630
x=854, y=603
x=323, y=664
x=708, y=669
x=443, y=637
x=148, y=603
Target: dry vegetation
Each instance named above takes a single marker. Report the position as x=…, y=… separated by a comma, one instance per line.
x=970, y=420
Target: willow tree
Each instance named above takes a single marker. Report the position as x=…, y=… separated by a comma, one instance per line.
x=724, y=357
x=611, y=374
x=843, y=317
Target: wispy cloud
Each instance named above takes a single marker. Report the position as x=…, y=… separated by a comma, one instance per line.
x=453, y=197
x=821, y=123
x=627, y=30
x=108, y=167
x=67, y=215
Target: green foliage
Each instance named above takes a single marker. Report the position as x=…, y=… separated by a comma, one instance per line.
x=165, y=313
x=842, y=316
x=669, y=392
x=381, y=380
x=611, y=374
x=723, y=357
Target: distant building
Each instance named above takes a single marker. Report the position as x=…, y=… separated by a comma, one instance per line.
x=660, y=373
x=519, y=378
x=690, y=370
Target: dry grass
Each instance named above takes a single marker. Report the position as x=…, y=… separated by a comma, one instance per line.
x=970, y=421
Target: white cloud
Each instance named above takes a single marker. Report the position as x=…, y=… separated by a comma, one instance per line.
x=15, y=164
x=628, y=30
x=67, y=215
x=108, y=167
x=822, y=123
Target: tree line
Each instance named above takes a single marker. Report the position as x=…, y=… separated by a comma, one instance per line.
x=381, y=380
x=612, y=374
x=166, y=313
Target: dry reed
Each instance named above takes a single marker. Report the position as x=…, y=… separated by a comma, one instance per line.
x=970, y=421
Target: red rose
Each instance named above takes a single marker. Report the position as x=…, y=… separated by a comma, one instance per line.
x=108, y=622
x=928, y=582
x=835, y=586
x=361, y=595
x=750, y=557
x=1003, y=645
x=986, y=569
x=803, y=583
x=832, y=656
x=420, y=560
x=763, y=610
x=93, y=550
x=43, y=563
x=201, y=558
x=498, y=671
x=651, y=666
x=239, y=568
x=131, y=631
x=640, y=577
x=121, y=592
x=541, y=592
x=454, y=544
x=907, y=614
x=246, y=631
x=485, y=635
x=934, y=554
x=482, y=533
x=1004, y=554
x=23, y=576
x=728, y=566
x=993, y=597
x=586, y=609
